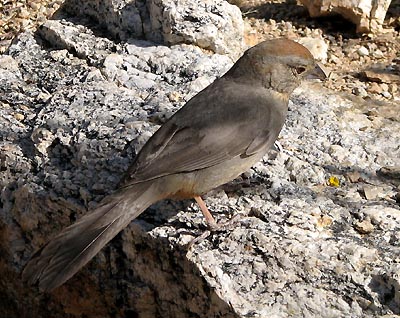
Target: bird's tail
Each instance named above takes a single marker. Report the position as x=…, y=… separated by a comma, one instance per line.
x=77, y=244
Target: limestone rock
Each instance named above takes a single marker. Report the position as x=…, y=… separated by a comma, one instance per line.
x=366, y=15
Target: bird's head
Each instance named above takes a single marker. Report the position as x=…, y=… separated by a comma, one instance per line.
x=278, y=64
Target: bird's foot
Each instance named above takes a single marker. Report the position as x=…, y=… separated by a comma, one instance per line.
x=225, y=226
x=216, y=227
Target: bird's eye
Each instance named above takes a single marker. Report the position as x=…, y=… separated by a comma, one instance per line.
x=300, y=69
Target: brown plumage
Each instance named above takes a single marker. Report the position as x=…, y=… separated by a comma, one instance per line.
x=219, y=134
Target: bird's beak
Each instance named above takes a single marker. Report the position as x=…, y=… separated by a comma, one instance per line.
x=317, y=73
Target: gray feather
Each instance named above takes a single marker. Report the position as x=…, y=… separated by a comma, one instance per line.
x=76, y=245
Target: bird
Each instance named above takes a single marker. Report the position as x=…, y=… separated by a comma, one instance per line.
x=216, y=136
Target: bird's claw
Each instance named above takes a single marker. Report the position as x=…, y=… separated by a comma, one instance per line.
x=220, y=227
x=215, y=227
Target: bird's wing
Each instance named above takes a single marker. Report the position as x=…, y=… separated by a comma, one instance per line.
x=204, y=133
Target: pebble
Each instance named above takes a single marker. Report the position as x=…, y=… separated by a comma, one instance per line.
x=375, y=88
x=334, y=59
x=393, y=88
x=17, y=16
x=364, y=227
x=384, y=86
x=19, y=116
x=324, y=221
x=353, y=176
x=360, y=91
x=174, y=96
x=372, y=192
x=386, y=75
x=34, y=5
x=378, y=54
x=363, y=51
x=23, y=13
x=317, y=46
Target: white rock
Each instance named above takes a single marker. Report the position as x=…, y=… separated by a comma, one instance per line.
x=213, y=24
x=360, y=91
x=363, y=51
x=368, y=15
x=384, y=217
x=317, y=46
x=378, y=54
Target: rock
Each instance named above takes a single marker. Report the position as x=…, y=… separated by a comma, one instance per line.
x=66, y=35
x=8, y=63
x=393, y=88
x=324, y=222
x=375, y=88
x=358, y=120
x=19, y=117
x=385, y=87
x=360, y=91
x=354, y=176
x=391, y=173
x=216, y=26
x=378, y=54
x=334, y=59
x=317, y=46
x=384, y=217
x=42, y=139
x=303, y=173
x=364, y=227
x=338, y=152
x=372, y=192
x=213, y=25
x=363, y=51
x=90, y=103
x=381, y=76
x=366, y=15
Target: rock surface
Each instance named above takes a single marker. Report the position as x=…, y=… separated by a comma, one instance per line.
x=367, y=15
x=319, y=232
x=213, y=24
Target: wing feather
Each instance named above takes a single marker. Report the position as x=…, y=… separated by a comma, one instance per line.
x=204, y=133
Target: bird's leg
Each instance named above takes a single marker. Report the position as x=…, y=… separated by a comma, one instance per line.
x=213, y=226
x=211, y=223
x=209, y=218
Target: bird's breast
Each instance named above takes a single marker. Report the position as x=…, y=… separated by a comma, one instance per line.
x=190, y=184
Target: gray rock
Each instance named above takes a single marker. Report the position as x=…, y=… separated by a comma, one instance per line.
x=214, y=25
x=301, y=248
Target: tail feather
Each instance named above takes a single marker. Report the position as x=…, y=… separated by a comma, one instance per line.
x=77, y=244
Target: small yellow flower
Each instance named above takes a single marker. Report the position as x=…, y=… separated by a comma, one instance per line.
x=333, y=181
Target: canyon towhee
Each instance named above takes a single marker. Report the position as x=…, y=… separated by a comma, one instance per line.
x=219, y=134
